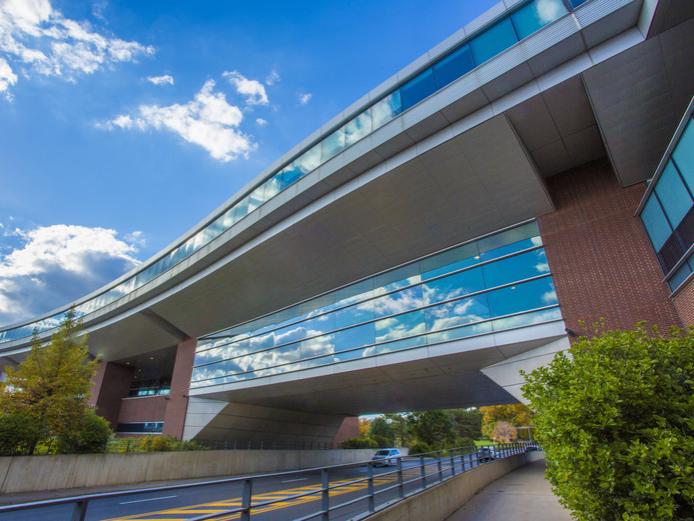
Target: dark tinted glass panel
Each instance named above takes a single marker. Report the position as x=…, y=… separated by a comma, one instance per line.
x=680, y=276
x=673, y=195
x=684, y=155
x=670, y=253
x=417, y=89
x=536, y=15
x=494, y=40
x=453, y=66
x=656, y=224
x=150, y=427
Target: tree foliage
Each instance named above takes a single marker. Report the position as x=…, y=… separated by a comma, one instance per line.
x=48, y=394
x=517, y=415
x=616, y=420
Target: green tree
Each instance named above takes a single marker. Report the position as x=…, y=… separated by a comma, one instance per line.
x=382, y=432
x=433, y=429
x=517, y=414
x=616, y=420
x=467, y=423
x=50, y=389
x=18, y=434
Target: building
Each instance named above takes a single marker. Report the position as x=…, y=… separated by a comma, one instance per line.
x=454, y=225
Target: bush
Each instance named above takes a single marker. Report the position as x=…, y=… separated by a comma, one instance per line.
x=616, y=421
x=158, y=443
x=90, y=436
x=419, y=447
x=359, y=443
x=18, y=434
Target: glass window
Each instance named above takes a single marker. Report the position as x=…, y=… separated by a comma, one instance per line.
x=684, y=155
x=535, y=15
x=679, y=276
x=673, y=195
x=309, y=160
x=514, y=268
x=450, y=260
x=394, y=328
x=397, y=302
x=656, y=224
x=576, y=3
x=453, y=286
x=288, y=175
x=494, y=40
x=354, y=337
x=458, y=313
x=358, y=128
x=332, y=145
x=521, y=297
x=356, y=314
x=418, y=88
x=461, y=332
x=386, y=109
x=453, y=66
x=526, y=319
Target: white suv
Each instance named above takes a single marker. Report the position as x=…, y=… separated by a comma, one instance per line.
x=386, y=457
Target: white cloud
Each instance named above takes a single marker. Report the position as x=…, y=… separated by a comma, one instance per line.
x=164, y=79
x=273, y=77
x=252, y=90
x=208, y=120
x=36, y=38
x=260, y=122
x=53, y=265
x=7, y=77
x=304, y=98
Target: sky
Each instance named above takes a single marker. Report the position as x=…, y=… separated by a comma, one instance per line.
x=124, y=123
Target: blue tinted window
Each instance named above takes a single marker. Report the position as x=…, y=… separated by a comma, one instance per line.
x=536, y=15
x=453, y=286
x=417, y=89
x=521, y=297
x=518, y=267
x=332, y=145
x=453, y=66
x=576, y=3
x=673, y=195
x=656, y=224
x=494, y=40
x=684, y=155
x=679, y=276
x=386, y=109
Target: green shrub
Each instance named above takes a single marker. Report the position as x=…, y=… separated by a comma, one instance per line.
x=18, y=434
x=192, y=445
x=420, y=447
x=616, y=421
x=91, y=435
x=158, y=443
x=359, y=443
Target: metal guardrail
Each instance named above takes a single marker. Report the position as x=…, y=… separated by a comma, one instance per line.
x=447, y=464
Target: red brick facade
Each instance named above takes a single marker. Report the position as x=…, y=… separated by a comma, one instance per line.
x=684, y=303
x=177, y=405
x=602, y=262
x=348, y=430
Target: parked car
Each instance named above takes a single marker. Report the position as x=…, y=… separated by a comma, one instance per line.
x=486, y=454
x=386, y=457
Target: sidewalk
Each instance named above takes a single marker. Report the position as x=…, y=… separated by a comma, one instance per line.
x=522, y=495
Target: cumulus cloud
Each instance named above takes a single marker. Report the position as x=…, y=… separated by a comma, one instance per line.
x=36, y=38
x=273, y=77
x=304, y=98
x=208, y=120
x=53, y=265
x=260, y=122
x=164, y=79
x=252, y=90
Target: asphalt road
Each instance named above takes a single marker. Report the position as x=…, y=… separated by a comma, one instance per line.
x=186, y=503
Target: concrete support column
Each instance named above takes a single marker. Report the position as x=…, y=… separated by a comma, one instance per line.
x=109, y=386
x=348, y=430
x=177, y=406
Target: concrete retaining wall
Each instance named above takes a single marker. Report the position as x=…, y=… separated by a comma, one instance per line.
x=43, y=473
x=441, y=501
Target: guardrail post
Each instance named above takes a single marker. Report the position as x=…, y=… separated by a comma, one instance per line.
x=452, y=463
x=439, y=465
x=401, y=485
x=422, y=472
x=246, y=497
x=79, y=513
x=372, y=502
x=462, y=460
x=325, y=494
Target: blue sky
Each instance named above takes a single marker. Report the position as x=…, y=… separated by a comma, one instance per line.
x=122, y=124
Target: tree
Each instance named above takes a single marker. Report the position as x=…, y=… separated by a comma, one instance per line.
x=18, y=434
x=50, y=389
x=616, y=419
x=434, y=429
x=467, y=422
x=504, y=432
x=382, y=432
x=516, y=414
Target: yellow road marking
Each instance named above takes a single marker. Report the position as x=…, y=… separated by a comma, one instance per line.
x=204, y=508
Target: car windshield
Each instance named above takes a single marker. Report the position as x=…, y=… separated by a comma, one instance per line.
x=382, y=453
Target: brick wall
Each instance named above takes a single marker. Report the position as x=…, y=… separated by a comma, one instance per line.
x=684, y=303
x=143, y=409
x=598, y=251
x=177, y=403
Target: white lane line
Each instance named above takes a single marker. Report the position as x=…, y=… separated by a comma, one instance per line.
x=143, y=500
x=293, y=480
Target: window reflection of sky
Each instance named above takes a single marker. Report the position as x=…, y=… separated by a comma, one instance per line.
x=400, y=309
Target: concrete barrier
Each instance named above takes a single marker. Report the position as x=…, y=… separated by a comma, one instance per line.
x=20, y=474
x=441, y=501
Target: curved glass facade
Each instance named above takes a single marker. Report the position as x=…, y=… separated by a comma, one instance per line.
x=668, y=213
x=490, y=41
x=498, y=282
